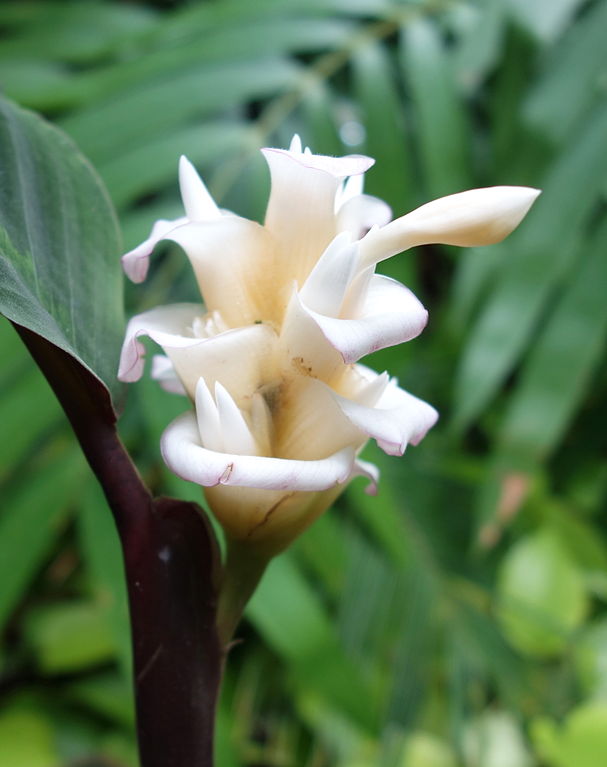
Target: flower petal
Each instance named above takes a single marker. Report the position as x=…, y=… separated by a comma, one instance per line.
x=136, y=262
x=237, y=437
x=233, y=263
x=361, y=213
x=164, y=372
x=183, y=454
x=207, y=418
x=370, y=472
x=241, y=359
x=473, y=218
x=198, y=203
x=309, y=422
x=169, y=320
x=300, y=211
x=326, y=286
x=303, y=348
x=390, y=314
x=398, y=419
x=349, y=188
x=338, y=167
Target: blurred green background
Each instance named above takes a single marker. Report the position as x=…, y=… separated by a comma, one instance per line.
x=459, y=618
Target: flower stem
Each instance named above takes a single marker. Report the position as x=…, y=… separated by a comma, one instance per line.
x=242, y=572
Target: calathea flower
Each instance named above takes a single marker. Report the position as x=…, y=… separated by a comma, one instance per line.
x=270, y=361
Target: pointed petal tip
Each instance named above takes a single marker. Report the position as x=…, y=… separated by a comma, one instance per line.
x=296, y=146
x=473, y=218
x=512, y=204
x=197, y=201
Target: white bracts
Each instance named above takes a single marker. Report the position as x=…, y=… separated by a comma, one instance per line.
x=281, y=406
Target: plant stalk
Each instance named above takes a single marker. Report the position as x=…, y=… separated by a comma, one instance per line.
x=172, y=565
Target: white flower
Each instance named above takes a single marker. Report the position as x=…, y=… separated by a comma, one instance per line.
x=281, y=406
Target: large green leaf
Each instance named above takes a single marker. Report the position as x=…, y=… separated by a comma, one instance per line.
x=572, y=75
x=443, y=135
x=59, y=245
x=541, y=256
x=35, y=515
x=550, y=391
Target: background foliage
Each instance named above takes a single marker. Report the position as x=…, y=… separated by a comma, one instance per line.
x=459, y=618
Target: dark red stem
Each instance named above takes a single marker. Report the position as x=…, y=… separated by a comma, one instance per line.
x=171, y=564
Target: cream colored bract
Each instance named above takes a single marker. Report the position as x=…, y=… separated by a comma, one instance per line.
x=282, y=408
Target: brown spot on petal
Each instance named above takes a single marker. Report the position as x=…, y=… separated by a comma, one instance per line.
x=301, y=367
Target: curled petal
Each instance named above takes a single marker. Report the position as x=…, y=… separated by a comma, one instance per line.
x=473, y=218
x=370, y=472
x=361, y=213
x=300, y=211
x=361, y=384
x=390, y=314
x=164, y=372
x=162, y=322
x=351, y=187
x=184, y=454
x=398, y=419
x=241, y=359
x=136, y=262
x=325, y=288
x=303, y=346
x=338, y=167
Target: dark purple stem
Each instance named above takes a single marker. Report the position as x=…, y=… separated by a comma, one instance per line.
x=172, y=570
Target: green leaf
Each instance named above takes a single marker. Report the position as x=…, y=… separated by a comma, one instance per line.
x=580, y=741
x=157, y=108
x=286, y=610
x=34, y=515
x=479, y=42
x=143, y=169
x=545, y=19
x=27, y=739
x=495, y=738
x=37, y=84
x=69, y=637
x=320, y=120
x=573, y=74
x=549, y=391
x=542, y=253
x=425, y=750
x=542, y=595
x=108, y=694
x=291, y=618
x=101, y=549
x=27, y=412
x=82, y=32
x=60, y=274
x=442, y=130
x=591, y=658
x=383, y=117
